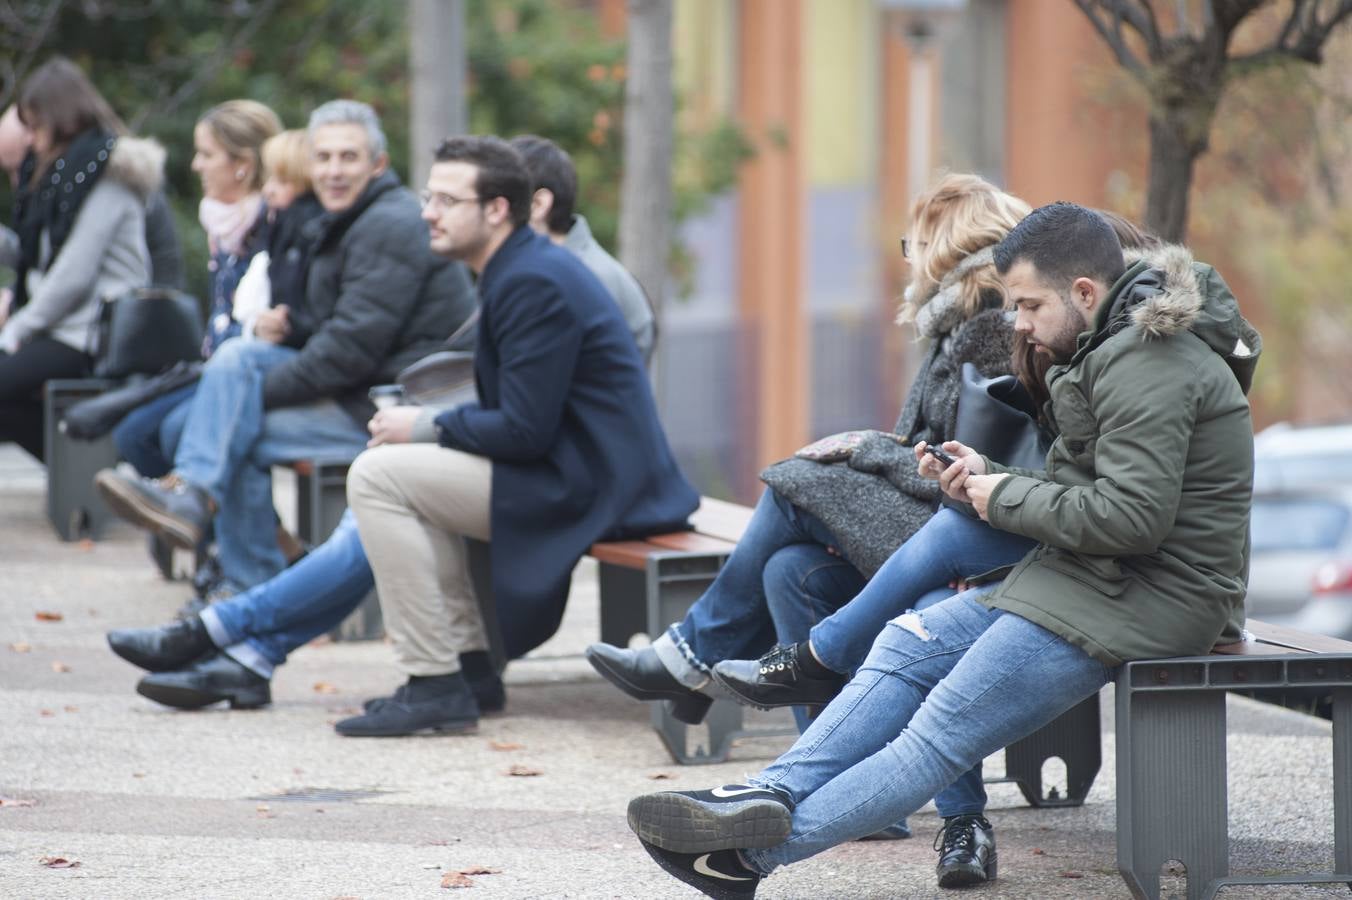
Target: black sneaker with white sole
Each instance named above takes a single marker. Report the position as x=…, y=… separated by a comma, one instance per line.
x=719, y=874
x=734, y=816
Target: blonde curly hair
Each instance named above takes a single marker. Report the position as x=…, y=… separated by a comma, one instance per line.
x=957, y=217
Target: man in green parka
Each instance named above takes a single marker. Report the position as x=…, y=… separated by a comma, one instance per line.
x=1143, y=519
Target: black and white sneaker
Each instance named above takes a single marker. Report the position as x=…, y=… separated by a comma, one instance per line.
x=719, y=874
x=734, y=816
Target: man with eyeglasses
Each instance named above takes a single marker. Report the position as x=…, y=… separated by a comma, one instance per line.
x=562, y=449
x=376, y=300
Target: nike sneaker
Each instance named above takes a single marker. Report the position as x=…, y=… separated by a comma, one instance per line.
x=719, y=874
x=733, y=816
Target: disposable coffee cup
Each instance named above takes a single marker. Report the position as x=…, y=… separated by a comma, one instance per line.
x=387, y=395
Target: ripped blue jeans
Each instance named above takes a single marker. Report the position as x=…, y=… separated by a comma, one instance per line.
x=940, y=691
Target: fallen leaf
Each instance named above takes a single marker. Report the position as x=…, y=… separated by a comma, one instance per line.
x=58, y=862
x=46, y=713
x=431, y=865
x=520, y=771
x=71, y=708
x=138, y=774
x=479, y=870
x=48, y=616
x=660, y=776
x=456, y=880
x=86, y=545
x=15, y=801
x=506, y=745
x=1038, y=851
x=21, y=647
x=59, y=667
x=1070, y=874
x=323, y=687
x=264, y=811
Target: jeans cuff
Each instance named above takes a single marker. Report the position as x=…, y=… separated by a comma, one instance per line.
x=216, y=630
x=676, y=655
x=248, y=656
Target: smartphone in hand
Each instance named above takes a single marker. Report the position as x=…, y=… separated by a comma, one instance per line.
x=938, y=453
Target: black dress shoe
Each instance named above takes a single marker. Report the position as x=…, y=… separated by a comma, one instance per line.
x=164, y=648
x=484, y=683
x=438, y=703
x=966, y=846
x=208, y=681
x=641, y=675
x=776, y=679
x=168, y=506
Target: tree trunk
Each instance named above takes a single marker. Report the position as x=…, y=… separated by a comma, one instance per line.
x=437, y=69
x=1170, y=180
x=645, y=187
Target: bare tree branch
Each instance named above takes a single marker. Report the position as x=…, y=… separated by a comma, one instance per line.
x=34, y=40
x=1112, y=35
x=1303, y=41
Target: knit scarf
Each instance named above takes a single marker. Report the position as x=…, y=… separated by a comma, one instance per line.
x=228, y=224
x=53, y=201
x=942, y=312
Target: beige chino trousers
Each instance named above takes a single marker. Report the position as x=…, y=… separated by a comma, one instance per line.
x=415, y=504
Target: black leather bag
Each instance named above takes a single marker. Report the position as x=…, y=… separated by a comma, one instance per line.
x=91, y=419
x=144, y=332
x=997, y=418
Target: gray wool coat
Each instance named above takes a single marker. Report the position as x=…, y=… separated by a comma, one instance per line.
x=874, y=501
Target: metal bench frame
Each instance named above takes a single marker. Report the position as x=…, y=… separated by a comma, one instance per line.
x=1172, y=801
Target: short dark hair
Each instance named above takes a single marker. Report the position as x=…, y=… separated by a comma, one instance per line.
x=551, y=168
x=1063, y=241
x=502, y=171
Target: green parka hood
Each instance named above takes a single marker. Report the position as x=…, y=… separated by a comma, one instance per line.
x=1166, y=292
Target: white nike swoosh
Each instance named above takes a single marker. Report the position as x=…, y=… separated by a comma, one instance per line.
x=702, y=867
x=724, y=793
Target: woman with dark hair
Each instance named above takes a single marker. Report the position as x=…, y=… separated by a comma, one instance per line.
x=80, y=208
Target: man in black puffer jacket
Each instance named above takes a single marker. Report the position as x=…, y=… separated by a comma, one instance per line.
x=376, y=300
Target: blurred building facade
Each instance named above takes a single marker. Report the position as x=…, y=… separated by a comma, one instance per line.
x=787, y=334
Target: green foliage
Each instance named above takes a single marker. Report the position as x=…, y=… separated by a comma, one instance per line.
x=535, y=66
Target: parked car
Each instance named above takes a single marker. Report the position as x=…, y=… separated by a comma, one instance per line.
x=1301, y=561
x=1294, y=457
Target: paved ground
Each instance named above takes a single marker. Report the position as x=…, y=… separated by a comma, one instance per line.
x=154, y=803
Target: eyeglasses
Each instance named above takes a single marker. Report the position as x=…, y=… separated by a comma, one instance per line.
x=907, y=245
x=438, y=200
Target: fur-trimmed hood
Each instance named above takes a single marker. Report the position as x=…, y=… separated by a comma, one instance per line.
x=138, y=163
x=1165, y=292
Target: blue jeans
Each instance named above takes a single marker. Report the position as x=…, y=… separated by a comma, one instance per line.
x=148, y=436
x=939, y=691
x=261, y=626
x=949, y=546
x=230, y=444
x=781, y=554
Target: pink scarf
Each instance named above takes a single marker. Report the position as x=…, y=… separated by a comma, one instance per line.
x=227, y=224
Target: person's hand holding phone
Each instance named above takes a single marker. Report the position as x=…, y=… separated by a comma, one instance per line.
x=935, y=461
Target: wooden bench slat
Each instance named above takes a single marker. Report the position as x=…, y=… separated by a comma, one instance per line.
x=692, y=542
x=629, y=554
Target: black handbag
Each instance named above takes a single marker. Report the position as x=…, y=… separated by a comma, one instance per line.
x=144, y=332
x=998, y=419
x=91, y=419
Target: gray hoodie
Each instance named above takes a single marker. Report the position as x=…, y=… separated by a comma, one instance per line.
x=104, y=256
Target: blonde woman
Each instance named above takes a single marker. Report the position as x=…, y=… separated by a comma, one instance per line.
x=227, y=141
x=827, y=525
